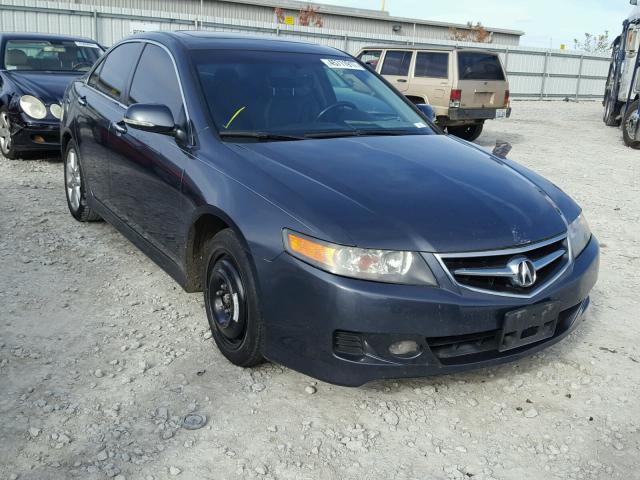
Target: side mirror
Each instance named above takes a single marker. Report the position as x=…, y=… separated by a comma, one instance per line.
x=501, y=149
x=427, y=110
x=150, y=117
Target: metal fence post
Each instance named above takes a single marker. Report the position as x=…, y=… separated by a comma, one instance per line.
x=346, y=43
x=544, y=74
x=579, y=76
x=96, y=35
x=506, y=60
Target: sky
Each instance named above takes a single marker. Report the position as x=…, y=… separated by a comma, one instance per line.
x=546, y=23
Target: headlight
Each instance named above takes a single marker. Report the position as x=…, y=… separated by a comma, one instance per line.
x=378, y=265
x=56, y=110
x=33, y=107
x=579, y=235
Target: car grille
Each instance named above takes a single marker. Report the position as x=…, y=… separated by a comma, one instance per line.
x=490, y=271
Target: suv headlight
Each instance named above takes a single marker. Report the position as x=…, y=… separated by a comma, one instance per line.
x=387, y=266
x=579, y=235
x=33, y=107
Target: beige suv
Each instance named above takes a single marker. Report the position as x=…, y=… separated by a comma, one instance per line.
x=465, y=87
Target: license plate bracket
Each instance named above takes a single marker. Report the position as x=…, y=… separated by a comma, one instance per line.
x=528, y=325
x=501, y=113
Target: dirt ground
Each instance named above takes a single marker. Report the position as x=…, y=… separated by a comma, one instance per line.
x=102, y=355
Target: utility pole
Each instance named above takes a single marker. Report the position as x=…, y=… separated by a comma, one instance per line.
x=382, y=6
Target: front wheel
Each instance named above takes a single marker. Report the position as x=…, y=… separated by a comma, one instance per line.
x=629, y=126
x=231, y=301
x=6, y=137
x=467, y=132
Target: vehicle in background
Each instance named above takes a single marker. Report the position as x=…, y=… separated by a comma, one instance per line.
x=330, y=225
x=465, y=87
x=34, y=72
x=622, y=92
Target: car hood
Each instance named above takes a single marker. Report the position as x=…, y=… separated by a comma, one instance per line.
x=49, y=87
x=422, y=192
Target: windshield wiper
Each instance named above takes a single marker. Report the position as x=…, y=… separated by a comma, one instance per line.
x=359, y=133
x=258, y=135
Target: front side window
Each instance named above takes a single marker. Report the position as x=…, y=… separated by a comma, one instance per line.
x=396, y=63
x=479, y=66
x=371, y=57
x=50, y=55
x=155, y=81
x=432, y=64
x=300, y=95
x=115, y=69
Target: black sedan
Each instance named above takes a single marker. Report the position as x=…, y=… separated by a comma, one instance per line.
x=331, y=226
x=34, y=73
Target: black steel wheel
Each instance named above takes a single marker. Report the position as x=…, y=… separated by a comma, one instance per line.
x=231, y=301
x=466, y=132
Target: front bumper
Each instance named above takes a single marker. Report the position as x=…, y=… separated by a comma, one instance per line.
x=30, y=135
x=307, y=312
x=457, y=114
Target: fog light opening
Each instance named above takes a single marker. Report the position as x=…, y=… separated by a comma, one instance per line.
x=404, y=348
x=39, y=139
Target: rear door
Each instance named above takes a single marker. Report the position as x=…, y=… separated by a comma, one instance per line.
x=481, y=79
x=395, y=68
x=430, y=78
x=99, y=104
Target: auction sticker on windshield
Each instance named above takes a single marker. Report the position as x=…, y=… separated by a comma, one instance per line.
x=343, y=64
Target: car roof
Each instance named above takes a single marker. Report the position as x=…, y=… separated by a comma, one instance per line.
x=408, y=47
x=193, y=40
x=42, y=36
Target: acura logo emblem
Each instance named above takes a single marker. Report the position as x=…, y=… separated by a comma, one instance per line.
x=523, y=272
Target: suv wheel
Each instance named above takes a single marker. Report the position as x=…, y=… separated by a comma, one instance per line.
x=76, y=186
x=231, y=301
x=466, y=132
x=630, y=118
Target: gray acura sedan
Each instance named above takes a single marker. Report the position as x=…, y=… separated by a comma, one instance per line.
x=331, y=226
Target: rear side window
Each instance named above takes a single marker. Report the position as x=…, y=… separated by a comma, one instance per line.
x=432, y=64
x=155, y=81
x=371, y=57
x=116, y=68
x=479, y=66
x=396, y=63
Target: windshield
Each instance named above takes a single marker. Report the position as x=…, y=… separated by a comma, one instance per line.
x=50, y=55
x=299, y=95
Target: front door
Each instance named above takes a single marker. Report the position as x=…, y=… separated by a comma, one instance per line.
x=146, y=168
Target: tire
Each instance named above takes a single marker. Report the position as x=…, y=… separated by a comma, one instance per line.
x=611, y=112
x=76, y=186
x=629, y=142
x=231, y=301
x=6, y=138
x=467, y=132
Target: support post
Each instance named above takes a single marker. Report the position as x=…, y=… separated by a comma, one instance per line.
x=579, y=77
x=544, y=74
x=95, y=26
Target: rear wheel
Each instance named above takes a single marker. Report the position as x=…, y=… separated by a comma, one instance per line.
x=611, y=111
x=231, y=301
x=466, y=132
x=76, y=186
x=6, y=137
x=629, y=125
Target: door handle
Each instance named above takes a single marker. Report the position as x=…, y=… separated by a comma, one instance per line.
x=119, y=128
x=82, y=101
x=401, y=80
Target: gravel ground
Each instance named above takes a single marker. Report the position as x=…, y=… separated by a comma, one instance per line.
x=102, y=355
